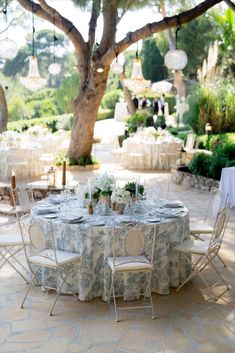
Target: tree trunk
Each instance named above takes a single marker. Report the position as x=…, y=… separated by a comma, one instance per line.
x=127, y=95
x=86, y=107
x=179, y=83
x=3, y=111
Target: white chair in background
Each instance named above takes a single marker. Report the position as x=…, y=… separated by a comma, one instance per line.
x=206, y=252
x=40, y=255
x=133, y=259
x=217, y=202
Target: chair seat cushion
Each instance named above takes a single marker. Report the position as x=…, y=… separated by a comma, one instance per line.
x=10, y=240
x=193, y=246
x=46, y=258
x=129, y=263
x=200, y=228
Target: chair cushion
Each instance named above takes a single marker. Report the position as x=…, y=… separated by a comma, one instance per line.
x=129, y=263
x=10, y=240
x=200, y=228
x=46, y=258
x=193, y=246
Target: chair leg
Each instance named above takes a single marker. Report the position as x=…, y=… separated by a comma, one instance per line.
x=29, y=287
x=150, y=295
x=57, y=296
x=114, y=298
x=7, y=256
x=222, y=261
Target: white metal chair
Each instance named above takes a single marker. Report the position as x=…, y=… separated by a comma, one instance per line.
x=217, y=202
x=42, y=255
x=23, y=198
x=134, y=258
x=10, y=246
x=207, y=251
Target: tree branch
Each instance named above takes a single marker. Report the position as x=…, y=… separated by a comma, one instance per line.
x=230, y=4
x=49, y=14
x=95, y=12
x=110, y=16
x=155, y=27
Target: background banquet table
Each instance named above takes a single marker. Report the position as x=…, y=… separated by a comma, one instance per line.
x=227, y=183
x=150, y=154
x=93, y=241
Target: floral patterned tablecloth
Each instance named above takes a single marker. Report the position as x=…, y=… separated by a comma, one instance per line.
x=93, y=241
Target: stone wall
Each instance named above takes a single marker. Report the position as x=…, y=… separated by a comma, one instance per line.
x=193, y=181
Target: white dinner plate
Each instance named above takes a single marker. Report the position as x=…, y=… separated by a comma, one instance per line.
x=153, y=220
x=97, y=223
x=50, y=216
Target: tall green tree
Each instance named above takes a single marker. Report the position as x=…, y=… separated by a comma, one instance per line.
x=153, y=63
x=94, y=59
x=226, y=37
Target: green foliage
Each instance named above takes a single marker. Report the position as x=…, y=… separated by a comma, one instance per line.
x=66, y=93
x=215, y=105
x=201, y=33
x=153, y=63
x=135, y=121
x=170, y=99
x=17, y=109
x=226, y=36
x=211, y=166
x=111, y=98
x=131, y=187
x=200, y=164
x=105, y=114
x=22, y=125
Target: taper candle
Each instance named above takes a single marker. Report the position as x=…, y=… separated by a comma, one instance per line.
x=13, y=179
x=64, y=173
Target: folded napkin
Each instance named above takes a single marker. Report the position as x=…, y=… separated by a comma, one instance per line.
x=46, y=210
x=72, y=219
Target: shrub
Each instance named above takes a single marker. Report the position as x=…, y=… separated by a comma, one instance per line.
x=105, y=114
x=200, y=164
x=135, y=121
x=111, y=98
x=211, y=166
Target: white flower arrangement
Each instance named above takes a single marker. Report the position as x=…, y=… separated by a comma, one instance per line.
x=121, y=196
x=104, y=183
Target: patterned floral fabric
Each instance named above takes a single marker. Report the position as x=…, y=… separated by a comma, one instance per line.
x=94, y=244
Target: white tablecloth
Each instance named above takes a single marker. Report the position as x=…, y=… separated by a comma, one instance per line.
x=25, y=160
x=150, y=155
x=94, y=244
x=121, y=112
x=227, y=183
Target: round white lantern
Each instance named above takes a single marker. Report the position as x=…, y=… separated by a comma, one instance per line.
x=54, y=69
x=8, y=49
x=176, y=59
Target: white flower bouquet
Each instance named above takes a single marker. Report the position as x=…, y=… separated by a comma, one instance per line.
x=103, y=184
x=121, y=196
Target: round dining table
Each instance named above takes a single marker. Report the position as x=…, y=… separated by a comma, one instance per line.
x=91, y=237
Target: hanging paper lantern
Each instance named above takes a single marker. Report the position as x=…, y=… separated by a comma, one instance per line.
x=54, y=69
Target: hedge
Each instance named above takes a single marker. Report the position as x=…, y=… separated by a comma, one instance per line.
x=54, y=122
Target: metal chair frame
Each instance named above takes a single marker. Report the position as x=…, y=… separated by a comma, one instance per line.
x=218, y=200
x=207, y=252
x=132, y=255
x=45, y=257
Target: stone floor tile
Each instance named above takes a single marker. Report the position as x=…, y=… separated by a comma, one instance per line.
x=214, y=347
x=54, y=345
x=79, y=347
x=103, y=348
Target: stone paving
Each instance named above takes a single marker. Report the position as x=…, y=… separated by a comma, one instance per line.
x=187, y=322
